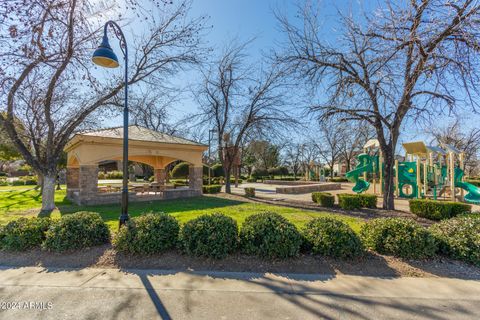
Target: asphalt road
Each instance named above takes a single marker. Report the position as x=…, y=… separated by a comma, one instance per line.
x=51, y=293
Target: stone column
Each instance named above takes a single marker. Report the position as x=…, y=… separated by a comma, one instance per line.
x=160, y=176
x=195, y=175
x=73, y=178
x=88, y=181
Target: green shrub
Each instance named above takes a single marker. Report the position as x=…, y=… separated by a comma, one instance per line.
x=3, y=182
x=3, y=174
x=23, y=233
x=338, y=179
x=331, y=237
x=459, y=238
x=181, y=170
x=357, y=201
x=148, y=234
x=217, y=180
x=101, y=175
x=114, y=175
x=18, y=182
x=268, y=234
x=214, y=235
x=252, y=180
x=29, y=180
x=324, y=198
x=368, y=200
x=278, y=171
x=217, y=170
x=250, y=192
x=76, y=231
x=258, y=173
x=437, y=210
x=232, y=180
x=349, y=201
x=400, y=237
x=213, y=188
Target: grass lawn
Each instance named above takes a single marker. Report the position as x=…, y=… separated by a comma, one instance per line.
x=18, y=203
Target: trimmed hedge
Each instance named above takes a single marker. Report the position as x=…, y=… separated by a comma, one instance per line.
x=437, y=210
x=250, y=192
x=324, y=198
x=349, y=201
x=217, y=170
x=331, y=237
x=270, y=235
x=23, y=233
x=213, y=188
x=356, y=201
x=459, y=238
x=114, y=175
x=368, y=200
x=148, y=234
x=76, y=231
x=214, y=235
x=400, y=237
x=181, y=170
x=251, y=179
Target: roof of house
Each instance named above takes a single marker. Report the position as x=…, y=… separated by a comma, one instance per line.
x=140, y=134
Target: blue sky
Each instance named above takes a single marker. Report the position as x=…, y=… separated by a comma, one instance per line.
x=245, y=19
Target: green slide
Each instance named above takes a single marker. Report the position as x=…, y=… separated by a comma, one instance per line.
x=364, y=165
x=473, y=195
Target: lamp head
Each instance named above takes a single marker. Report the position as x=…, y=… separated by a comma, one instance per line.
x=104, y=55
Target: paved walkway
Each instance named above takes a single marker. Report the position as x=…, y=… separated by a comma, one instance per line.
x=268, y=191
x=48, y=293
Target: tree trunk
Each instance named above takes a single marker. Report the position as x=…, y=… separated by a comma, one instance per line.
x=347, y=165
x=388, y=194
x=39, y=185
x=48, y=193
x=228, y=188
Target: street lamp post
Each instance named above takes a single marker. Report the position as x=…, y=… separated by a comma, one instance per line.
x=105, y=57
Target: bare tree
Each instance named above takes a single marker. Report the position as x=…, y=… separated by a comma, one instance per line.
x=329, y=142
x=293, y=157
x=467, y=140
x=412, y=59
x=355, y=136
x=309, y=155
x=47, y=78
x=240, y=102
x=151, y=110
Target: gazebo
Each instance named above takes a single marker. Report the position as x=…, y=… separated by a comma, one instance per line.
x=85, y=151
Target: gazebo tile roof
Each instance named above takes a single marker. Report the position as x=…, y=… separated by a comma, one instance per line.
x=139, y=133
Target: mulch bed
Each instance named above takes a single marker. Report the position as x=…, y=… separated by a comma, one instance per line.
x=369, y=265
x=365, y=214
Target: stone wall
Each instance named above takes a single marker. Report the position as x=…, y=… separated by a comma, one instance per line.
x=308, y=188
x=116, y=197
x=290, y=183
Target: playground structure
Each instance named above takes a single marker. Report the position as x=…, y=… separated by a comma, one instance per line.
x=427, y=172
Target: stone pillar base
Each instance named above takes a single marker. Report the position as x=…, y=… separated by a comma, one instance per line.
x=160, y=176
x=88, y=181
x=195, y=177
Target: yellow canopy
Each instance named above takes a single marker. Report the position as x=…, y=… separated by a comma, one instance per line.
x=416, y=147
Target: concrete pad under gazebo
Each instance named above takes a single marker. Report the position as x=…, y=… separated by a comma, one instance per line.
x=86, y=150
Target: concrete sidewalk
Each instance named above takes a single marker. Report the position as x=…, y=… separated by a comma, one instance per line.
x=51, y=293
